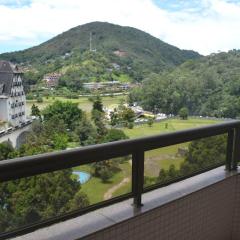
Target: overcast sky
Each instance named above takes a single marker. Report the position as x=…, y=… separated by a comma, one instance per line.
x=205, y=26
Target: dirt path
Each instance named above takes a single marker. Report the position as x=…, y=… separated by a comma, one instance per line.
x=110, y=191
x=152, y=165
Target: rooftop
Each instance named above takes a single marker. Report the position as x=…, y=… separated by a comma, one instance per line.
x=7, y=67
x=7, y=71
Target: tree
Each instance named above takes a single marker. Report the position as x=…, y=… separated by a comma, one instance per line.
x=98, y=116
x=115, y=135
x=37, y=198
x=150, y=122
x=86, y=132
x=172, y=172
x=105, y=174
x=66, y=111
x=99, y=120
x=114, y=117
x=80, y=200
x=71, y=79
x=126, y=116
x=31, y=78
x=60, y=141
x=29, y=200
x=207, y=151
x=39, y=99
x=202, y=154
x=183, y=113
x=97, y=104
x=35, y=111
x=135, y=95
x=106, y=169
x=6, y=151
x=162, y=177
x=45, y=137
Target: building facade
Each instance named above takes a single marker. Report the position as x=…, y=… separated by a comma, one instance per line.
x=12, y=96
x=51, y=80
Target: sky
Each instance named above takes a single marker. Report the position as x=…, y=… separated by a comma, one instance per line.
x=206, y=26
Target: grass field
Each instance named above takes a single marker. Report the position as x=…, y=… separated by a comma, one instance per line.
x=95, y=188
x=154, y=159
x=83, y=102
x=164, y=157
x=172, y=125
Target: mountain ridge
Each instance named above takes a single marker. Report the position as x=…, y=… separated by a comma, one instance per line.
x=78, y=37
x=117, y=52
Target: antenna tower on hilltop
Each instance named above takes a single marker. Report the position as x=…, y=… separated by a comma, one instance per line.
x=90, y=44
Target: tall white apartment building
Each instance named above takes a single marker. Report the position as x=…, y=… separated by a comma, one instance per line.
x=12, y=96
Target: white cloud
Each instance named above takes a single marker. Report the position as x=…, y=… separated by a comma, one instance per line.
x=208, y=26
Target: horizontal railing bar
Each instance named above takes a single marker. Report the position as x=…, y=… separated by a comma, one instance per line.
x=28, y=166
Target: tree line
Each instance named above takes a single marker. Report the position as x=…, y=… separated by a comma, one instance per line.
x=209, y=86
x=201, y=154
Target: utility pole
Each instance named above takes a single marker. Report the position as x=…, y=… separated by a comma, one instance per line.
x=90, y=42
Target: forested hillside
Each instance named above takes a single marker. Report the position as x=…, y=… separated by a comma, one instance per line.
x=116, y=52
x=209, y=86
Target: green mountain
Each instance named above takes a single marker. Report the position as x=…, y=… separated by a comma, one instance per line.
x=209, y=86
x=135, y=51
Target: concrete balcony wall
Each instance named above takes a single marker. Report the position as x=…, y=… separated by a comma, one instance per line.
x=203, y=215
x=203, y=207
x=236, y=215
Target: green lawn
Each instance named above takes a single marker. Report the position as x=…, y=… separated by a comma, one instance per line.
x=83, y=102
x=164, y=157
x=154, y=159
x=95, y=188
x=160, y=127
x=124, y=189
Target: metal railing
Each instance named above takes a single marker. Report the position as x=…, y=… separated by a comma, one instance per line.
x=29, y=166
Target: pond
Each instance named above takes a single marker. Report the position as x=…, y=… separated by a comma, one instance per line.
x=83, y=177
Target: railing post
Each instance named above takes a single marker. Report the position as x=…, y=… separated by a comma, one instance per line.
x=137, y=177
x=236, y=149
x=230, y=142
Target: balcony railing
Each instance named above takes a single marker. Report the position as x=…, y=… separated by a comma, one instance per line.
x=30, y=166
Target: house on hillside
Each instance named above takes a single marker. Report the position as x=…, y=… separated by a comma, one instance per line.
x=51, y=79
x=12, y=96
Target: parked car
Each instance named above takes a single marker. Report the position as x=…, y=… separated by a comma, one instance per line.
x=9, y=129
x=2, y=132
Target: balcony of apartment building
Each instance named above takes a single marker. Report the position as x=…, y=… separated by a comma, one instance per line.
x=203, y=203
